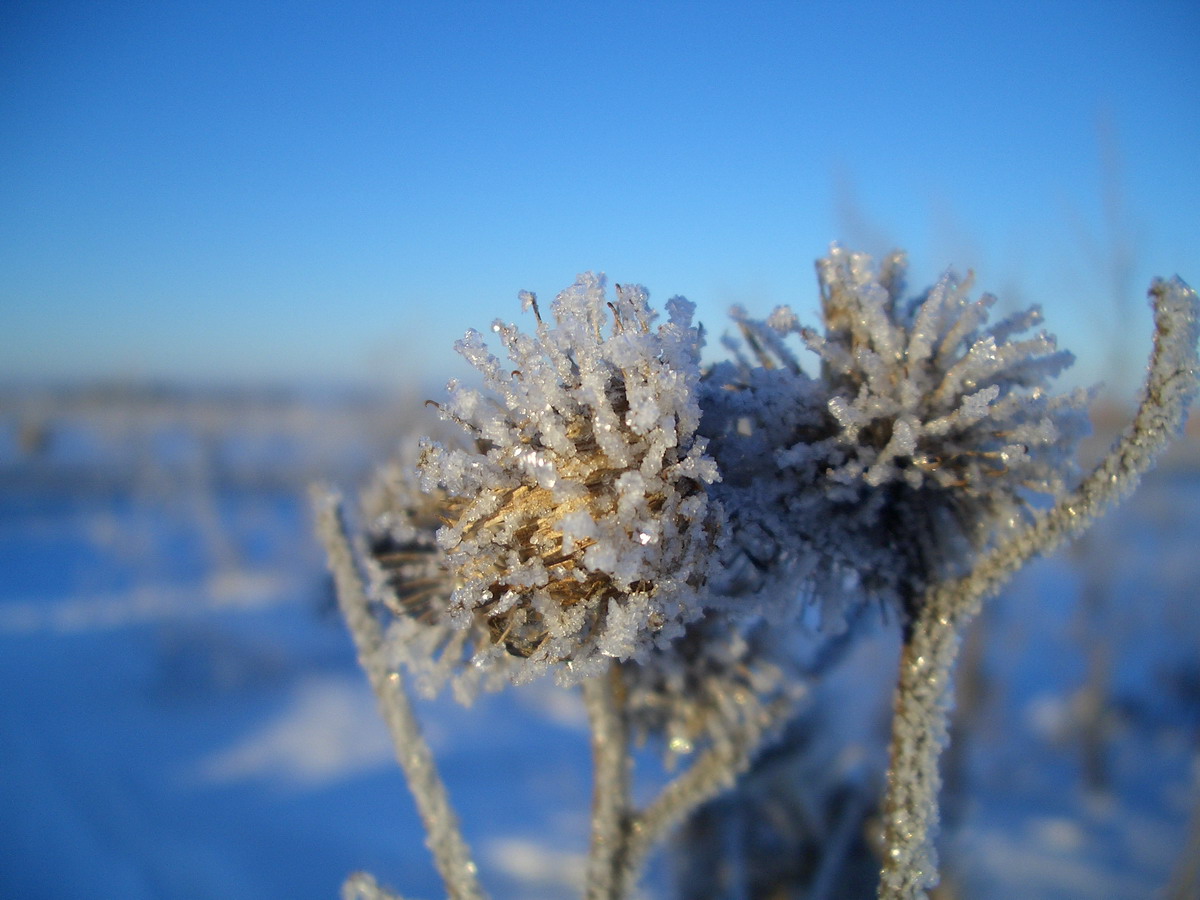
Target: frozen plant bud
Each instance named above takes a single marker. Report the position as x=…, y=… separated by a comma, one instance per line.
x=925, y=435
x=577, y=522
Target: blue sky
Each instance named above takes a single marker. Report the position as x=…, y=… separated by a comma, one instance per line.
x=307, y=191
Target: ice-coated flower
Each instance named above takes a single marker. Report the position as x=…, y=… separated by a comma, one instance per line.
x=925, y=433
x=576, y=521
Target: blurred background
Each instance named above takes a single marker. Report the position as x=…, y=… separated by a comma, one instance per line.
x=237, y=243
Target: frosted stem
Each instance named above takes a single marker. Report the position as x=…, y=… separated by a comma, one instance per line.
x=611, y=800
x=713, y=772
x=450, y=852
x=924, y=693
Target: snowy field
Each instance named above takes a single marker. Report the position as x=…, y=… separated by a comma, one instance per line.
x=183, y=717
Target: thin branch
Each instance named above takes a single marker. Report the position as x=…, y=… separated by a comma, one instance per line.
x=361, y=886
x=713, y=772
x=611, y=800
x=450, y=852
x=924, y=693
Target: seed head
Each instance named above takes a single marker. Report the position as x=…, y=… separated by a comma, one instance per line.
x=576, y=519
x=721, y=675
x=924, y=434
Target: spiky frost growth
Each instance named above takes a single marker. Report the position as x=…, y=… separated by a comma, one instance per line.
x=577, y=523
x=925, y=434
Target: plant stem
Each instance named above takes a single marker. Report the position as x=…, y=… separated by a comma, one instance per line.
x=611, y=799
x=924, y=693
x=450, y=852
x=361, y=886
x=919, y=732
x=714, y=771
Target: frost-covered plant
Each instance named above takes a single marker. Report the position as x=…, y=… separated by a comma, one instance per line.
x=924, y=437
x=656, y=534
x=923, y=693
x=577, y=521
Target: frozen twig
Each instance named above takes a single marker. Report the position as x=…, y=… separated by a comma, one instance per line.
x=611, y=803
x=451, y=855
x=713, y=772
x=924, y=696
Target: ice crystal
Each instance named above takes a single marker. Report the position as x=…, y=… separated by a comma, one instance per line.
x=577, y=525
x=924, y=434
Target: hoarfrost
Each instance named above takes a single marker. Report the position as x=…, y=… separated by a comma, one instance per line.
x=920, y=435
x=577, y=520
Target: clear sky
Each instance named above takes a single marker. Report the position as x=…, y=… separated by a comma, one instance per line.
x=241, y=191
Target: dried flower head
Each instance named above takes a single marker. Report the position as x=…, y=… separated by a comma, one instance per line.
x=410, y=579
x=576, y=518
x=925, y=433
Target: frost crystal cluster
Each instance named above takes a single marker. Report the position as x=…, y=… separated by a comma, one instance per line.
x=577, y=523
x=924, y=435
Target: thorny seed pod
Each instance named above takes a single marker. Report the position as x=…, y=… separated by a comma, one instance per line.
x=577, y=523
x=924, y=435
